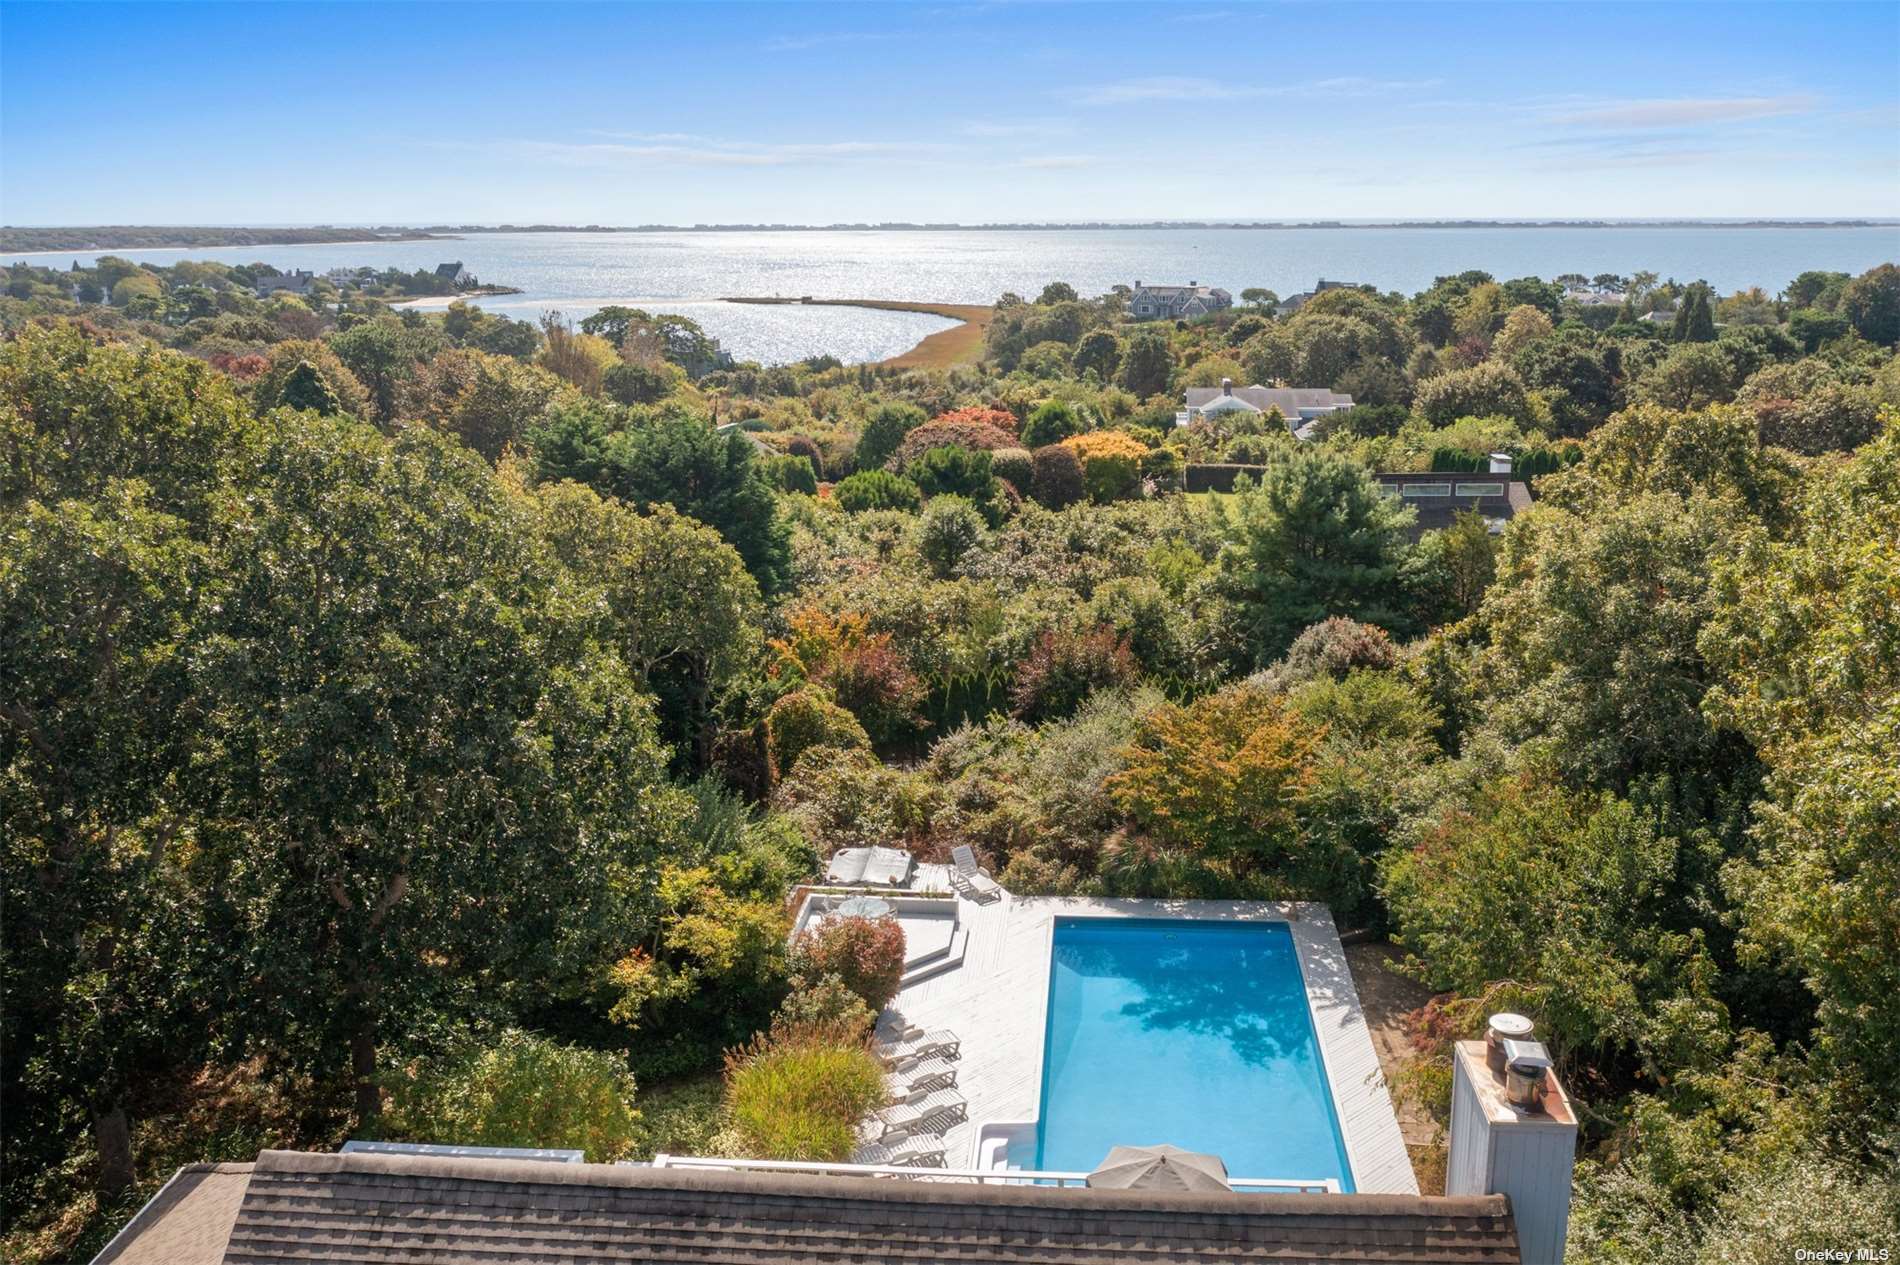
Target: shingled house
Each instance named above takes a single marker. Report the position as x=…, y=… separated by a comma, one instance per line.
x=428, y=1210
x=1299, y=407
x=1177, y=303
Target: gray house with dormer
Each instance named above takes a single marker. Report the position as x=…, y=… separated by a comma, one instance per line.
x=1177, y=303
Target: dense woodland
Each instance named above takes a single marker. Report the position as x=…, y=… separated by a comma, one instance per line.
x=412, y=724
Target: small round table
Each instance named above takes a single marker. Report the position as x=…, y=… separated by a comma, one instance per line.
x=864, y=907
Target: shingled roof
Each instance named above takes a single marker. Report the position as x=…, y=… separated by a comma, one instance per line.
x=425, y=1210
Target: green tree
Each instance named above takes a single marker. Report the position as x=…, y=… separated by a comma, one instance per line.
x=427, y=770
x=715, y=478
x=953, y=471
x=948, y=529
x=885, y=430
x=1056, y=292
x=1099, y=353
x=1147, y=363
x=380, y=356
x=306, y=389
x=1871, y=303
x=682, y=610
x=1591, y=633
x=1316, y=538
x=1051, y=423
x=1806, y=641
x=1491, y=389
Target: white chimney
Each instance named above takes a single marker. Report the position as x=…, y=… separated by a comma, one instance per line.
x=1226, y=386
x=1500, y=463
x=1500, y=1148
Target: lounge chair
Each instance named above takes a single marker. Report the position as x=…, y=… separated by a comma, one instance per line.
x=910, y=1152
x=914, y=1044
x=935, y=1072
x=869, y=867
x=933, y=1113
x=969, y=878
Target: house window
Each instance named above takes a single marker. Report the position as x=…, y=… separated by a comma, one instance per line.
x=1480, y=489
x=1425, y=489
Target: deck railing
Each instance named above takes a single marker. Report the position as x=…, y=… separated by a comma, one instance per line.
x=977, y=1176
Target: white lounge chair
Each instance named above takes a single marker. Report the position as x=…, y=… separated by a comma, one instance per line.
x=910, y=1152
x=869, y=867
x=935, y=1072
x=933, y=1113
x=914, y=1044
x=971, y=879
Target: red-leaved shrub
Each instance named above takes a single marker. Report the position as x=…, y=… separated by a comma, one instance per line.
x=866, y=953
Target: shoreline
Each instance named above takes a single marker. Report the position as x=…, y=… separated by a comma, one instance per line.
x=960, y=344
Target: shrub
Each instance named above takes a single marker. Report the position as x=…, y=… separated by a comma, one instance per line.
x=1057, y=479
x=1111, y=463
x=1014, y=466
x=1051, y=424
x=952, y=471
x=824, y=1002
x=1334, y=647
x=793, y=474
x=866, y=954
x=805, y=719
x=802, y=1099
x=1063, y=668
x=953, y=431
x=864, y=671
x=876, y=490
x=517, y=1090
x=885, y=431
x=948, y=528
x=1491, y=389
x=629, y=383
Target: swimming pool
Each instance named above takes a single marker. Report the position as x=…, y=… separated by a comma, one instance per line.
x=1193, y=1033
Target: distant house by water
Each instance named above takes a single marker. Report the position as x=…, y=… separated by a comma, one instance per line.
x=1294, y=302
x=1299, y=407
x=298, y=283
x=1177, y=303
x=455, y=274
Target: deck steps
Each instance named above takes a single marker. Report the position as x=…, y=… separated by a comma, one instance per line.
x=936, y=963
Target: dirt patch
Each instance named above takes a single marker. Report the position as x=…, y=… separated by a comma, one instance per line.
x=1387, y=997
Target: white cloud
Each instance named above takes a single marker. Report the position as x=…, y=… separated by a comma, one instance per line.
x=1685, y=111
x=799, y=43
x=1056, y=162
x=1183, y=88
x=701, y=152
x=1004, y=128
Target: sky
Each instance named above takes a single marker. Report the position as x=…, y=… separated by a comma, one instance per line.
x=685, y=113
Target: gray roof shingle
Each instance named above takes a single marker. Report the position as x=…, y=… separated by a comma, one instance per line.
x=370, y=1209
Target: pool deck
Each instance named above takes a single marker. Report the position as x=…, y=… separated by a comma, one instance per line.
x=997, y=1001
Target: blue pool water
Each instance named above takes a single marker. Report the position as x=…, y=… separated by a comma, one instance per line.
x=1197, y=1034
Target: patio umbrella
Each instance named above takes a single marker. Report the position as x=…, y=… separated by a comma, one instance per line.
x=1160, y=1167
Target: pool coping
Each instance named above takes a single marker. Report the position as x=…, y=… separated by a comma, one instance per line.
x=1368, y=1126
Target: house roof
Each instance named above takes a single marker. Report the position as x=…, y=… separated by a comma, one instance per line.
x=448, y=270
x=427, y=1210
x=1439, y=511
x=1289, y=400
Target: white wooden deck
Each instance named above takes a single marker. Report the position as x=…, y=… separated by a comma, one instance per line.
x=997, y=1003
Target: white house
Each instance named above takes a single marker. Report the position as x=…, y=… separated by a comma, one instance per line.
x=1177, y=303
x=1299, y=407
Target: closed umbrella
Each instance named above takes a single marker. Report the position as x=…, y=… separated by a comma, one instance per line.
x=1160, y=1167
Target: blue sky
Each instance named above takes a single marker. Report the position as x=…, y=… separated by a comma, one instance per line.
x=794, y=113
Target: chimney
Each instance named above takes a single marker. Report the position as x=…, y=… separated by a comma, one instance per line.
x=1226, y=386
x=1514, y=1133
x=1137, y=284
x=1500, y=463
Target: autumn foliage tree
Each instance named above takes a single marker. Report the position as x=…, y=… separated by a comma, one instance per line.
x=865, y=673
x=1222, y=778
x=866, y=953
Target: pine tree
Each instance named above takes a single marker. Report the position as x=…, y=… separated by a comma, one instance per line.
x=306, y=389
